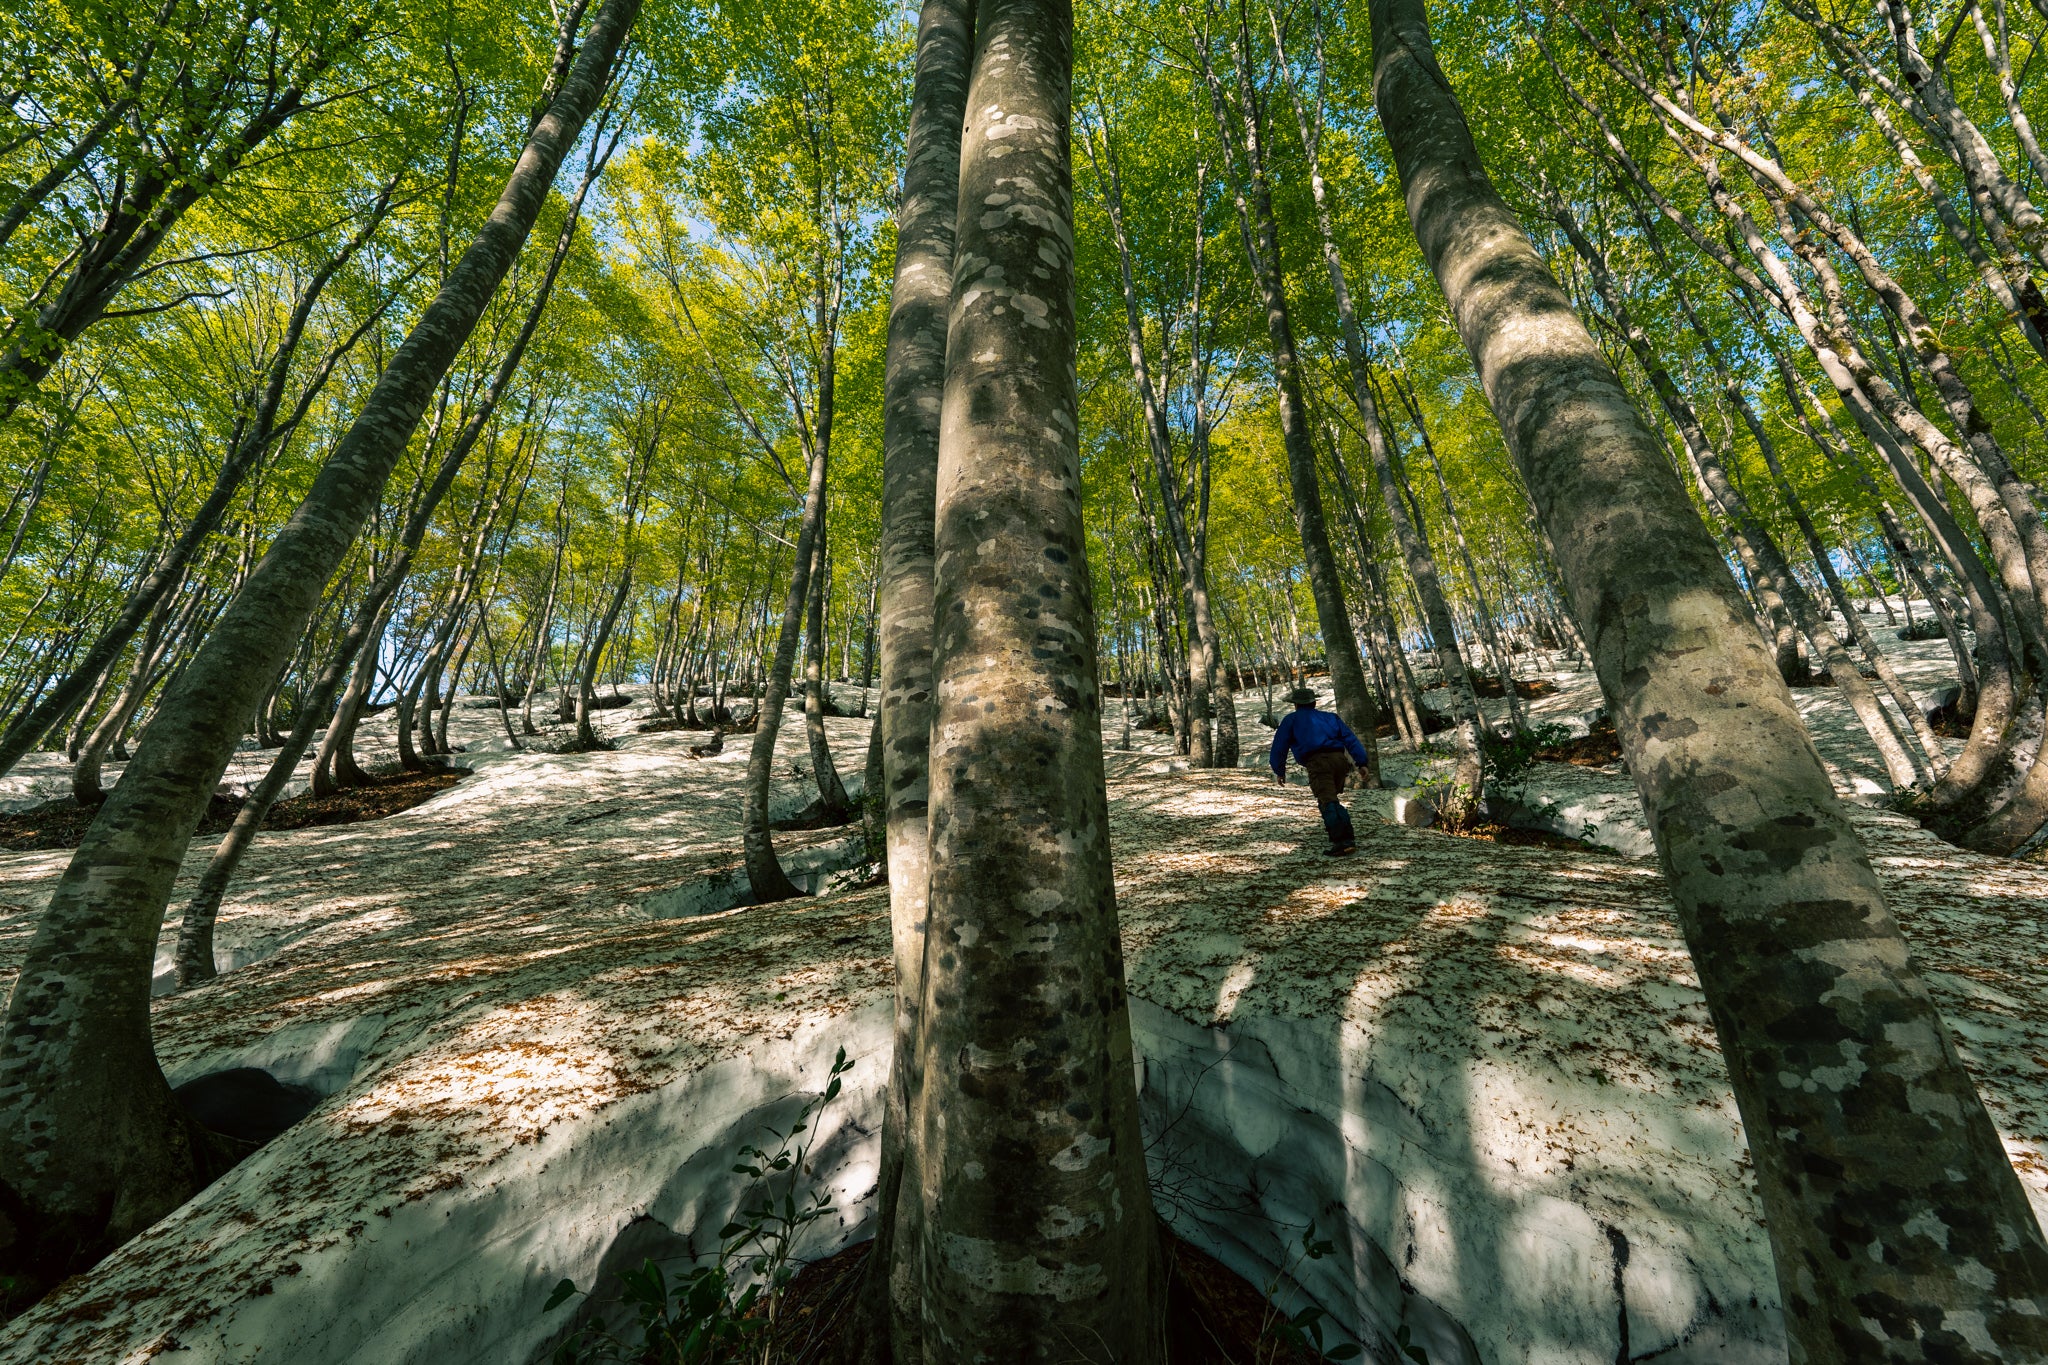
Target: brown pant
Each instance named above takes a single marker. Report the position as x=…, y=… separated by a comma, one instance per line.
x=1326, y=774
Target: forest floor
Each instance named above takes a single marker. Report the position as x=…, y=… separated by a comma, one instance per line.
x=1497, y=1056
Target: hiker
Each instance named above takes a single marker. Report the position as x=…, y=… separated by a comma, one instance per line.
x=1327, y=749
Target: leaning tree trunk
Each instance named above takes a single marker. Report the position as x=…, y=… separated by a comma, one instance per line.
x=93, y=1146
x=913, y=385
x=1039, y=1243
x=765, y=877
x=157, y=639
x=1880, y=1171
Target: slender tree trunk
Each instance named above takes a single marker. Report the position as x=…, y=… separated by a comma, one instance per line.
x=93, y=1146
x=831, y=791
x=1420, y=560
x=1039, y=1243
x=765, y=876
x=586, y=680
x=158, y=641
x=1864, y=1126
x=1780, y=589
x=1261, y=232
x=1203, y=649
x=913, y=388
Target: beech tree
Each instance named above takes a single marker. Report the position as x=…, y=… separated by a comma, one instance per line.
x=1725, y=772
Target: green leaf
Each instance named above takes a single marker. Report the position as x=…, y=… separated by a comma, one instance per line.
x=564, y=1292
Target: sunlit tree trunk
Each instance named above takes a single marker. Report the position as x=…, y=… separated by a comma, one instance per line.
x=765, y=877
x=1880, y=1172
x=1038, y=1237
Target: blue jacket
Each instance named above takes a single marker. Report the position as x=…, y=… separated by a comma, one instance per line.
x=1308, y=731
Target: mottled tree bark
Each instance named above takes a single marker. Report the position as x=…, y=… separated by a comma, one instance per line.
x=1038, y=1237
x=1893, y=1212
x=913, y=389
x=93, y=1146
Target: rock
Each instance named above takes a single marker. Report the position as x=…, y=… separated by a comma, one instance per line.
x=1596, y=806
x=1414, y=807
x=1941, y=703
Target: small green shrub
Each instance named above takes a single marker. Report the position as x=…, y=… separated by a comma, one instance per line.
x=1507, y=759
x=1927, y=628
x=721, y=1312
x=1304, y=1330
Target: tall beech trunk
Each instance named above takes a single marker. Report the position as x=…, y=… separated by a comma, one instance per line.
x=1261, y=232
x=593, y=656
x=1402, y=696
x=1880, y=1171
x=1435, y=608
x=536, y=668
x=913, y=388
x=1039, y=1243
x=161, y=641
x=1489, y=630
x=334, y=763
x=93, y=1146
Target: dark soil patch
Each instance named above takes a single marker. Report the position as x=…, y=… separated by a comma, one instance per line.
x=663, y=724
x=1213, y=1315
x=1488, y=685
x=62, y=823
x=1950, y=724
x=1599, y=749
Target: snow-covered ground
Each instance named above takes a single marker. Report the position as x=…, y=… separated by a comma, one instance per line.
x=1485, y=1072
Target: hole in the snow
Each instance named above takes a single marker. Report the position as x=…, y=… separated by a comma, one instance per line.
x=245, y=1103
x=818, y=870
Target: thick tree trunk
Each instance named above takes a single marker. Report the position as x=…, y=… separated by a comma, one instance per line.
x=1880, y=1172
x=1039, y=1242
x=913, y=389
x=93, y=1147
